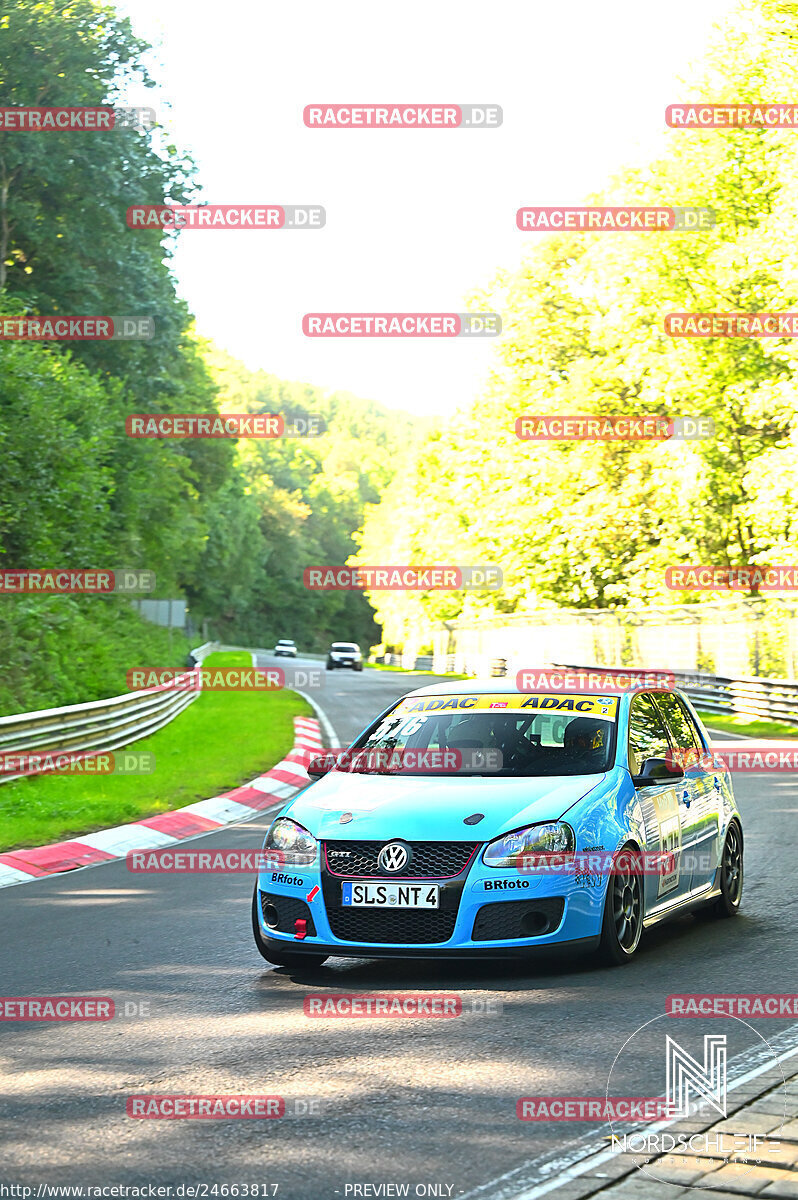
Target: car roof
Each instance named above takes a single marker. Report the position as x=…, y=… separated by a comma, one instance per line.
x=506, y=685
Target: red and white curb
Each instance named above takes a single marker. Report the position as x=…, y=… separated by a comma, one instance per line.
x=242, y=804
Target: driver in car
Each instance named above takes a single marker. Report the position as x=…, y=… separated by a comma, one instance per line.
x=585, y=741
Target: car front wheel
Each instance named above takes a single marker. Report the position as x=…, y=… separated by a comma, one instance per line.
x=622, y=925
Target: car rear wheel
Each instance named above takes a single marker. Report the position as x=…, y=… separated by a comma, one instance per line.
x=731, y=875
x=622, y=925
x=277, y=956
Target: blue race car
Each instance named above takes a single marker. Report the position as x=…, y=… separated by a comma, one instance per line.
x=475, y=820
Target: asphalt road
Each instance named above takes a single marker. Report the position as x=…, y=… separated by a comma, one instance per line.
x=416, y=1102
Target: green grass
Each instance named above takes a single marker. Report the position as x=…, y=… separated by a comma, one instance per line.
x=747, y=726
x=222, y=740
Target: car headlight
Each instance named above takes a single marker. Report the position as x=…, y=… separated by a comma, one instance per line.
x=297, y=847
x=554, y=837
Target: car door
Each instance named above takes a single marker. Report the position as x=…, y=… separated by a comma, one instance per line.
x=700, y=792
x=662, y=804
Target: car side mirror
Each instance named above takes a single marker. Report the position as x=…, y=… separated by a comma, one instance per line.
x=657, y=770
x=321, y=765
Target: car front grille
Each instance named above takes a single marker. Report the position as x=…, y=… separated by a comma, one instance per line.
x=431, y=860
x=381, y=927
x=517, y=919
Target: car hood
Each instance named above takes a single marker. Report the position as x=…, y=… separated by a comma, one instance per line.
x=423, y=808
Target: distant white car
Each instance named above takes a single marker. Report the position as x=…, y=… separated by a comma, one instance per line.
x=286, y=647
x=344, y=654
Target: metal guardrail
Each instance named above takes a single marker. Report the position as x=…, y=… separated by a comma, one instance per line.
x=748, y=696
x=100, y=724
x=422, y=662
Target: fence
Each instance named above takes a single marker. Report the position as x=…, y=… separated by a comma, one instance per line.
x=749, y=696
x=732, y=639
x=766, y=699
x=409, y=662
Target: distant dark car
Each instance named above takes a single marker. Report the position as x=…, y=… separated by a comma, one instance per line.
x=285, y=647
x=344, y=654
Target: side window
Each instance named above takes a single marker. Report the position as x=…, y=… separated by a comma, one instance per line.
x=684, y=734
x=647, y=735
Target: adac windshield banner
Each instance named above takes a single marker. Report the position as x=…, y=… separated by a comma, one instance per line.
x=595, y=706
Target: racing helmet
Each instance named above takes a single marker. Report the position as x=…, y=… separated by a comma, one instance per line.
x=586, y=738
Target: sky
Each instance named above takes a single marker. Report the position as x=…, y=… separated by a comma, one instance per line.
x=416, y=219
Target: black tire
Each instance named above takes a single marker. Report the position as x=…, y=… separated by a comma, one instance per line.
x=330, y=666
x=359, y=667
x=622, y=923
x=281, y=958
x=731, y=875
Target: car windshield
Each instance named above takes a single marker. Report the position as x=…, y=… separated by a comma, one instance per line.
x=501, y=735
x=284, y=642
x=344, y=646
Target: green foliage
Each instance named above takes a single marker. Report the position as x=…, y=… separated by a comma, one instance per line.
x=303, y=499
x=242, y=734
x=595, y=525
x=57, y=650
x=228, y=527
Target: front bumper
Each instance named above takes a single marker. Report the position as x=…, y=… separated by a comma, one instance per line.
x=483, y=913
x=341, y=950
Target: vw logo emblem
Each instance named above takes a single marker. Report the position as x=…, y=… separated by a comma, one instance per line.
x=393, y=857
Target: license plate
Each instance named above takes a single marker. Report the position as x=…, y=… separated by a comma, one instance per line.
x=390, y=895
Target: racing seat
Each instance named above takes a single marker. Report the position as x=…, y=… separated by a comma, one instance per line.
x=471, y=735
